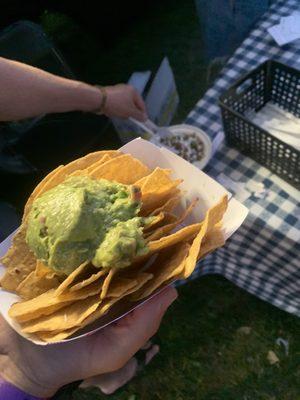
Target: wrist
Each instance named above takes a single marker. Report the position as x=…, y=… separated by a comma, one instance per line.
x=87, y=98
x=102, y=107
x=22, y=381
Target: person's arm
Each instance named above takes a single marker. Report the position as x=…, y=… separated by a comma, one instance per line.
x=27, y=92
x=42, y=370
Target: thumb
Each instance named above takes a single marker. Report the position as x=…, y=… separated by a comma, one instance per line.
x=125, y=337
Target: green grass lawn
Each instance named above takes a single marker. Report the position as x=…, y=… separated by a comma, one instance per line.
x=203, y=354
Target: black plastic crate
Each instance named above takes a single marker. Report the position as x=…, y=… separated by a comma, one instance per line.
x=270, y=82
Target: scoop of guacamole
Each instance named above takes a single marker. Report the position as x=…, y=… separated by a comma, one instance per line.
x=84, y=219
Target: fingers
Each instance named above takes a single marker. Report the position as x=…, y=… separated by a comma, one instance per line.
x=138, y=101
x=124, y=338
x=137, y=114
x=109, y=383
x=138, y=108
x=124, y=101
x=140, y=105
x=141, y=316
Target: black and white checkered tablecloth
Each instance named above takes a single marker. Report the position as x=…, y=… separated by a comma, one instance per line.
x=263, y=257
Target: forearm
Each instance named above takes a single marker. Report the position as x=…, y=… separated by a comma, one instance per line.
x=26, y=92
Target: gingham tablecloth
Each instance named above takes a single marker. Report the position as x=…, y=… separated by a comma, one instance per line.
x=263, y=257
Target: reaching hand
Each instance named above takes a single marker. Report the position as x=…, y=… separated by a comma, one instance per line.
x=124, y=101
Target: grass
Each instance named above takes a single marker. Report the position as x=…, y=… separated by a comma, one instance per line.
x=203, y=354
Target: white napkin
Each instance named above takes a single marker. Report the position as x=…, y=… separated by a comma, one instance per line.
x=280, y=123
x=287, y=30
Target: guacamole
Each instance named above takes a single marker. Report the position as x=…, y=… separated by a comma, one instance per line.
x=85, y=219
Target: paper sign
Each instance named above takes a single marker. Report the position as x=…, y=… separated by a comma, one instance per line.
x=161, y=101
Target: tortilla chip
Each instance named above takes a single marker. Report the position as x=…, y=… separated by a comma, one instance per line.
x=183, y=234
x=213, y=216
x=156, y=200
x=38, y=281
x=168, y=264
x=94, y=277
x=75, y=276
x=65, y=318
x=18, y=249
x=87, y=171
x=34, y=285
x=17, y=272
x=47, y=310
x=120, y=286
x=165, y=229
x=216, y=213
x=41, y=269
x=213, y=240
x=103, y=159
x=155, y=246
x=107, y=282
x=47, y=303
x=91, y=158
x=124, y=169
x=156, y=189
x=156, y=219
x=168, y=206
x=157, y=178
x=59, y=335
x=54, y=336
x=141, y=278
x=19, y=261
x=103, y=308
x=169, y=218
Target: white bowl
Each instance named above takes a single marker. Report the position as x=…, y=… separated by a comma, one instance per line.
x=184, y=128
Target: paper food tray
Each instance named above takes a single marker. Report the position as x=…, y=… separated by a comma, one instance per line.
x=196, y=184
